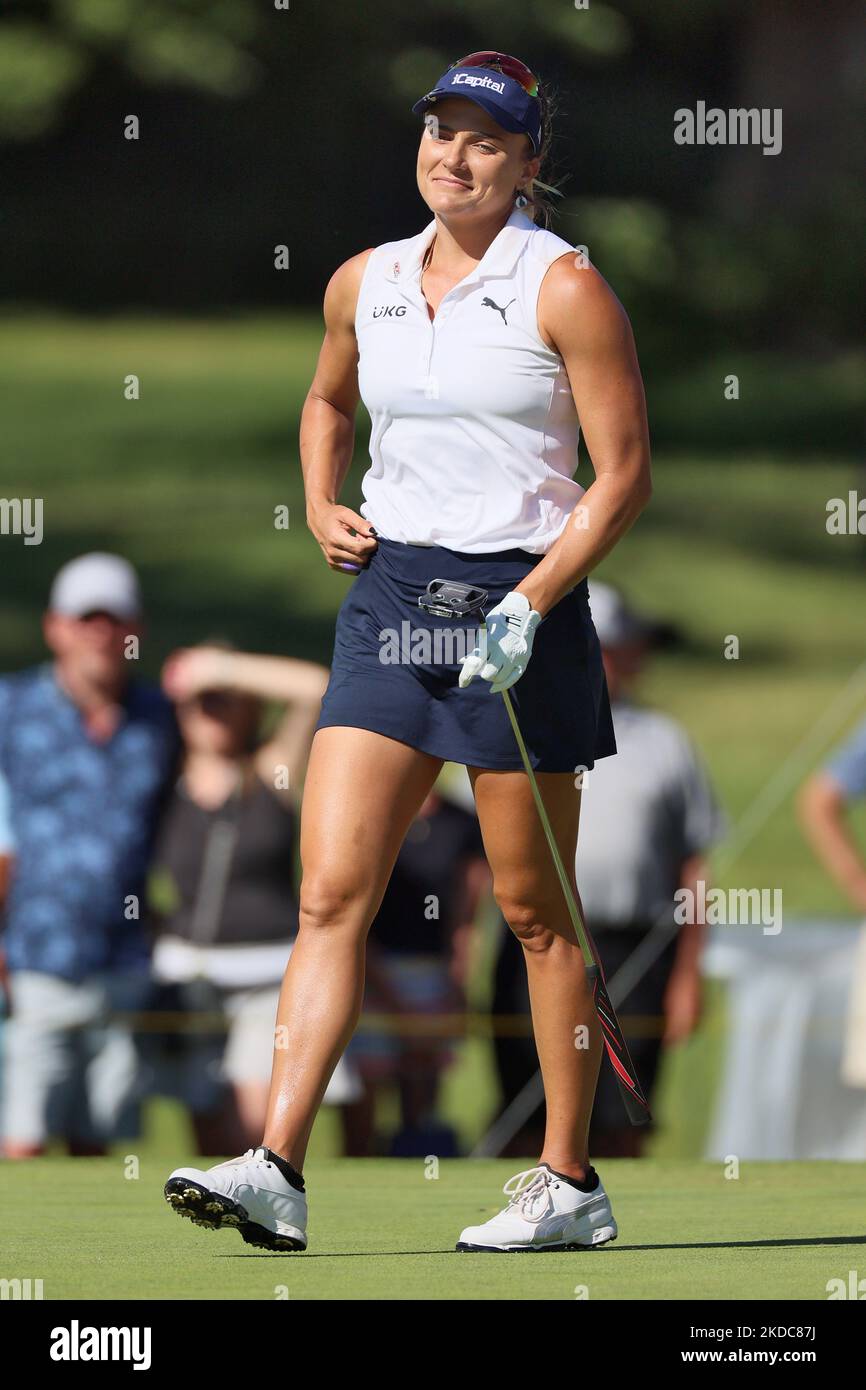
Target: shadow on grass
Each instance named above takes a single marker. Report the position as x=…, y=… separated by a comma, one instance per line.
x=619, y=1248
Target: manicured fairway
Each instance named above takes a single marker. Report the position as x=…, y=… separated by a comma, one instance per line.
x=381, y=1230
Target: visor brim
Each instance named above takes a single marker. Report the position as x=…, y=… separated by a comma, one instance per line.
x=487, y=103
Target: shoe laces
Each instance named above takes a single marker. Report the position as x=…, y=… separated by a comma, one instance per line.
x=528, y=1193
x=236, y=1162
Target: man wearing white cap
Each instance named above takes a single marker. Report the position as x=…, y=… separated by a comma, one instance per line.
x=86, y=754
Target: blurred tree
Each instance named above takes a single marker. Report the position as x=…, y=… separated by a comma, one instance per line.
x=262, y=126
x=48, y=50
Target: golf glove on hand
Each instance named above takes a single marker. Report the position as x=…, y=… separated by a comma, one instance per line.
x=503, y=657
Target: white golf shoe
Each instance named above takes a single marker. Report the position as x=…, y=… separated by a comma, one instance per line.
x=259, y=1194
x=545, y=1212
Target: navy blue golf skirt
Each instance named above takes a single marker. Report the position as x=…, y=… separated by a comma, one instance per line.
x=395, y=668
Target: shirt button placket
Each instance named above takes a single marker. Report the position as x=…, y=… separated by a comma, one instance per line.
x=430, y=383
x=446, y=305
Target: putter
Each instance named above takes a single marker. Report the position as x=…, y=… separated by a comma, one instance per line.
x=452, y=598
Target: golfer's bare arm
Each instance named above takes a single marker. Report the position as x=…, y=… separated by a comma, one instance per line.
x=327, y=433
x=582, y=319
x=822, y=808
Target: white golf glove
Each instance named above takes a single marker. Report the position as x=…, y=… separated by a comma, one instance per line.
x=503, y=657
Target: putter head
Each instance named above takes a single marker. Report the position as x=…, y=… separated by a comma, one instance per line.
x=451, y=598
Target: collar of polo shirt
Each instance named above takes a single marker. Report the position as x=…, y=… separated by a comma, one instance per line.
x=498, y=259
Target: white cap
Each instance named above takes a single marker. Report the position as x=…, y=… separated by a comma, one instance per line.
x=614, y=621
x=97, y=582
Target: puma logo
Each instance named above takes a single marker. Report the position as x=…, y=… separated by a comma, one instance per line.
x=491, y=304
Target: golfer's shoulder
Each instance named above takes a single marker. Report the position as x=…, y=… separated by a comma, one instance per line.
x=576, y=304
x=343, y=288
x=344, y=285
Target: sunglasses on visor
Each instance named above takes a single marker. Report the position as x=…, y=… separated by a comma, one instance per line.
x=502, y=62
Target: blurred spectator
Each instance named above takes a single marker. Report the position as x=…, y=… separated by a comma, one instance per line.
x=647, y=819
x=823, y=806
x=86, y=754
x=418, y=959
x=6, y=844
x=224, y=885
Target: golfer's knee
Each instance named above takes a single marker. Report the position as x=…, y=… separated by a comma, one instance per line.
x=530, y=918
x=327, y=905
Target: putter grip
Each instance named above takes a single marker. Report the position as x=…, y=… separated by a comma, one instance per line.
x=637, y=1107
x=638, y=1113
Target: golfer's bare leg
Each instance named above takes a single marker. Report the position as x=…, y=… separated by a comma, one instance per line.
x=529, y=893
x=361, y=793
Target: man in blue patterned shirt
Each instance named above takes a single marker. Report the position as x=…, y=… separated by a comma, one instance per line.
x=86, y=756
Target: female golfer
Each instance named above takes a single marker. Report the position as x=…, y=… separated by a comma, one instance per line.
x=477, y=346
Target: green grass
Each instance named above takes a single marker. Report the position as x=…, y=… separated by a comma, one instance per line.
x=185, y=481
x=380, y=1229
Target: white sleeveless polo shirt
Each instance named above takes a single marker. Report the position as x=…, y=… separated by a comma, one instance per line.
x=474, y=429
